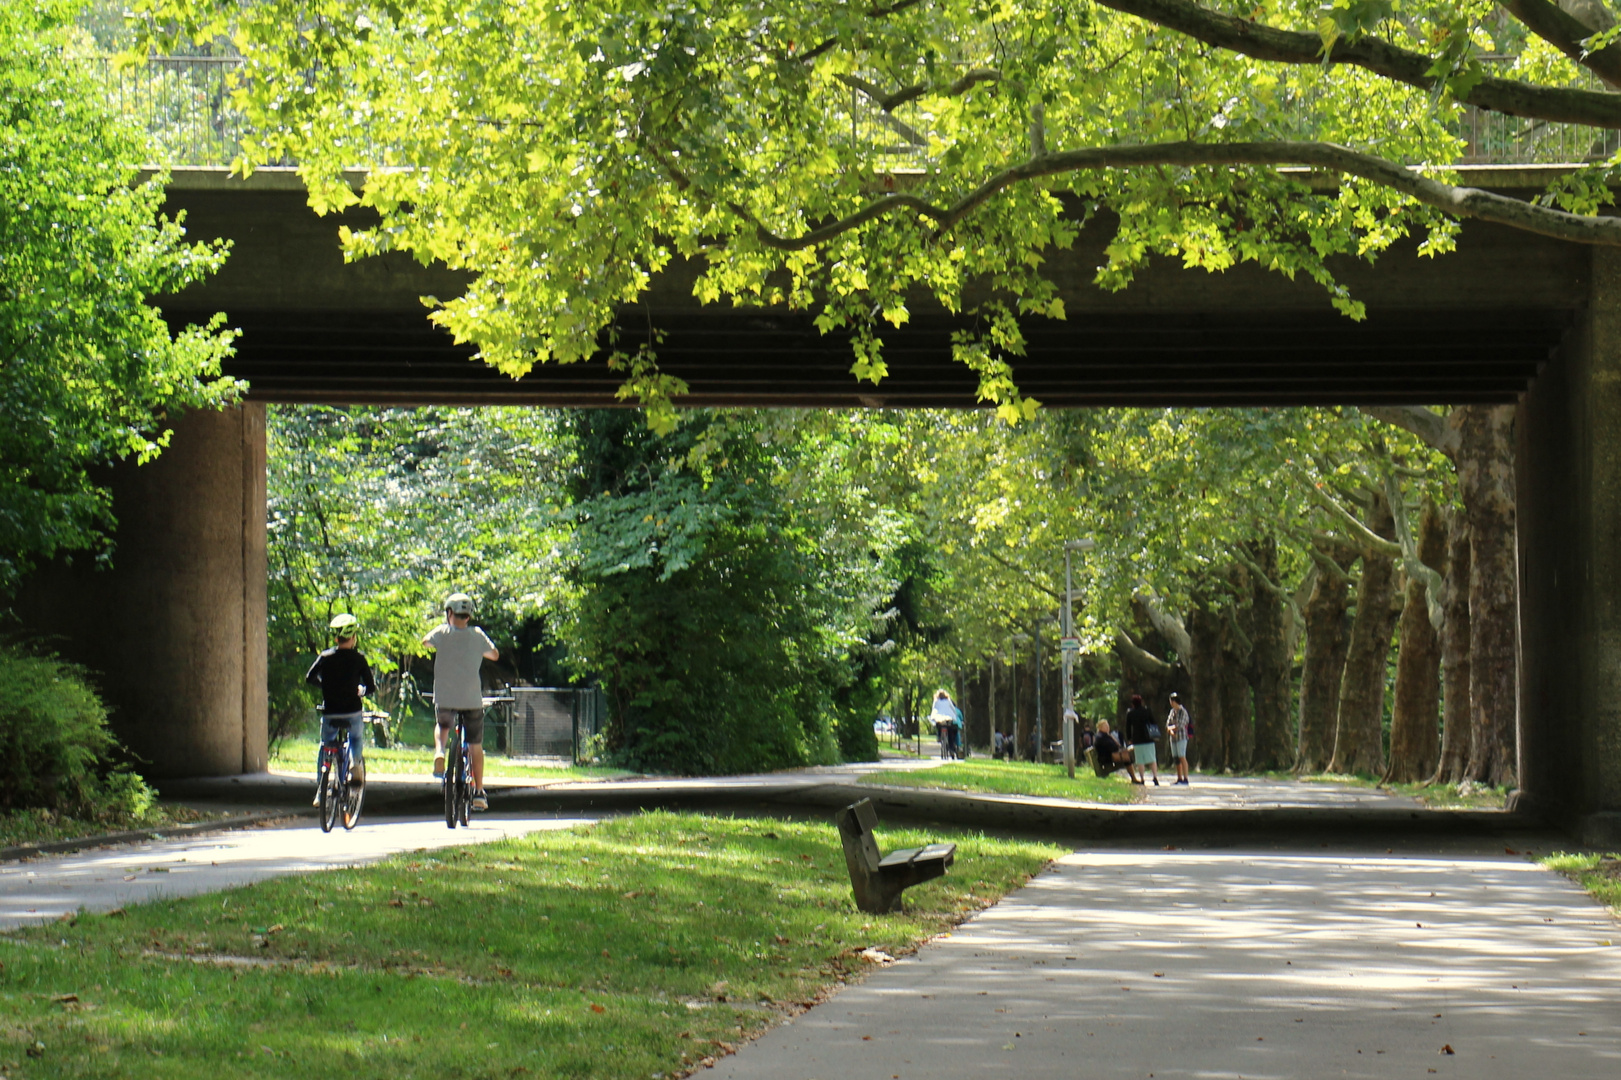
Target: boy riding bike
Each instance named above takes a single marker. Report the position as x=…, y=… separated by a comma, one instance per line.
x=344, y=676
x=458, y=693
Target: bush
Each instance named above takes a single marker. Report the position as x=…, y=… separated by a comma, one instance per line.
x=55, y=750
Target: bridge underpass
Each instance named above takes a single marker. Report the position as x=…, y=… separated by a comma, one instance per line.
x=179, y=627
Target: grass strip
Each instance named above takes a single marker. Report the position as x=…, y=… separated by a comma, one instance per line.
x=1599, y=874
x=298, y=755
x=640, y=947
x=46, y=826
x=1013, y=778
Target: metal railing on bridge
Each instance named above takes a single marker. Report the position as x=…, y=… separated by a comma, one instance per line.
x=184, y=103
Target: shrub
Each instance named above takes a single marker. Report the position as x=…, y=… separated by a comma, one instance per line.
x=55, y=750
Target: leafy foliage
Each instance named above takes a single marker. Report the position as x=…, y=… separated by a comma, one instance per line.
x=88, y=370
x=382, y=512
x=868, y=162
x=55, y=750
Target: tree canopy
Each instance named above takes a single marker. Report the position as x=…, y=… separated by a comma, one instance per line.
x=88, y=370
x=868, y=160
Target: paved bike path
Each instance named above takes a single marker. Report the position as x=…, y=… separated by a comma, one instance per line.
x=1461, y=960
x=108, y=878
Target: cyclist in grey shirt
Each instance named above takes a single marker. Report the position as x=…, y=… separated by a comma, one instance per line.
x=458, y=692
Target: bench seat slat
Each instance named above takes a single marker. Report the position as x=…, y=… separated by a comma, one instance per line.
x=900, y=858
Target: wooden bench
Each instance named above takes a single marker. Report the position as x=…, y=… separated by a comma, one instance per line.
x=878, y=880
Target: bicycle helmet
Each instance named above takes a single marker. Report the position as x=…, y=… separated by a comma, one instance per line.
x=459, y=604
x=344, y=625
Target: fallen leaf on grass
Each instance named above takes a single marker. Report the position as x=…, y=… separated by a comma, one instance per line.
x=876, y=956
x=64, y=999
x=598, y=1008
x=396, y=902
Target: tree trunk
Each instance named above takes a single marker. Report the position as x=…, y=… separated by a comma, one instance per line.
x=1486, y=480
x=1269, y=665
x=1415, y=730
x=1326, y=641
x=1238, y=714
x=1358, y=734
x=1207, y=630
x=1455, y=637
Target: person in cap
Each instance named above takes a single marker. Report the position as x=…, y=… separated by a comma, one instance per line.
x=344, y=676
x=1179, y=727
x=460, y=650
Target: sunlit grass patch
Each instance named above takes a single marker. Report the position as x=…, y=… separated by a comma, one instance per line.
x=1014, y=778
x=641, y=945
x=1599, y=874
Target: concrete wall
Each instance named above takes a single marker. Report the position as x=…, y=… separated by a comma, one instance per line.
x=176, y=628
x=1569, y=485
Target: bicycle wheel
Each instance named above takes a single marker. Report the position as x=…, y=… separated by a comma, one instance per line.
x=453, y=754
x=353, y=796
x=331, y=796
x=464, y=786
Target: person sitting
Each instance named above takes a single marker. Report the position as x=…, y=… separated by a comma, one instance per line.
x=1110, y=754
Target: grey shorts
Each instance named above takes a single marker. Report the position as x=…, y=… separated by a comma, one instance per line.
x=1147, y=753
x=472, y=720
x=1179, y=748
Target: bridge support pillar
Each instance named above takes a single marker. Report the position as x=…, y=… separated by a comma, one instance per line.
x=1569, y=493
x=177, y=628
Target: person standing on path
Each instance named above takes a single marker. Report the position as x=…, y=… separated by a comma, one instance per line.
x=1140, y=732
x=458, y=693
x=344, y=676
x=1179, y=727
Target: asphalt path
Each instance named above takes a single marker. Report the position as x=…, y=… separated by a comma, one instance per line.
x=107, y=878
x=1408, y=961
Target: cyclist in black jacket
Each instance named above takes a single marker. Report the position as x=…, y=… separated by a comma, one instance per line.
x=344, y=677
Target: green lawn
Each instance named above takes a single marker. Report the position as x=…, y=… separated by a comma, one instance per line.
x=1013, y=778
x=45, y=826
x=1599, y=874
x=635, y=948
x=298, y=755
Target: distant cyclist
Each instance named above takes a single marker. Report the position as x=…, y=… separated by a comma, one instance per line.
x=458, y=693
x=344, y=677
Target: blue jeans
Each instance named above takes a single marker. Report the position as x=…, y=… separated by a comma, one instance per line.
x=330, y=723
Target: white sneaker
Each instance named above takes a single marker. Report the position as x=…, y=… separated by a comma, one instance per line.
x=481, y=801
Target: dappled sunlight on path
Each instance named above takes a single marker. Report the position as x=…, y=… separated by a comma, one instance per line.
x=1259, y=963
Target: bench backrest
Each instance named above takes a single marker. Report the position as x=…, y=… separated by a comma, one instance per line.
x=856, y=823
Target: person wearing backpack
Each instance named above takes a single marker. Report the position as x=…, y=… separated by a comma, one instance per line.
x=1143, y=734
x=1179, y=726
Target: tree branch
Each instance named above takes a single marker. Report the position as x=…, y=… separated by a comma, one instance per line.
x=1263, y=42
x=1363, y=536
x=1138, y=657
x=1411, y=563
x=1458, y=201
x=891, y=101
x=1566, y=33
x=1025, y=575
x=1169, y=626
x=1429, y=426
x=1328, y=564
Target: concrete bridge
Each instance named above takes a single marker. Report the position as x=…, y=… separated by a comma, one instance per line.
x=179, y=627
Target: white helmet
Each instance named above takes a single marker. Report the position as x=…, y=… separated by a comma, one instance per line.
x=459, y=603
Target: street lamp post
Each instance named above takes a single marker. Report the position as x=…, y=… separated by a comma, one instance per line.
x=1072, y=648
